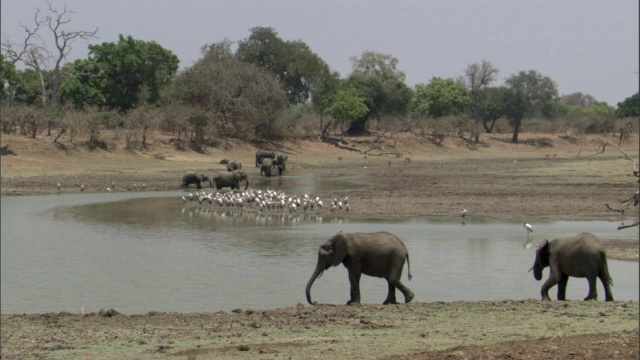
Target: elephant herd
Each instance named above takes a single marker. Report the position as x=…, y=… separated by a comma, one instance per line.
x=382, y=255
x=265, y=160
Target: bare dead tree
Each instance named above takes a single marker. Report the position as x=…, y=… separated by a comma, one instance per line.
x=56, y=21
x=28, y=52
x=634, y=199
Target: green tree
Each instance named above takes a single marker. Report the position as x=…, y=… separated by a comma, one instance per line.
x=32, y=82
x=441, y=97
x=9, y=79
x=377, y=78
x=630, y=107
x=528, y=94
x=323, y=92
x=133, y=69
x=295, y=66
x=348, y=105
x=477, y=77
x=491, y=106
x=233, y=98
x=84, y=85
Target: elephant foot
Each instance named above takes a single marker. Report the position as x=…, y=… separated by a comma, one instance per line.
x=387, y=302
x=353, y=302
x=609, y=298
x=409, y=297
x=546, y=298
x=589, y=298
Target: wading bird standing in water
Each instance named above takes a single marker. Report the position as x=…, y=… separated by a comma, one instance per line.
x=529, y=229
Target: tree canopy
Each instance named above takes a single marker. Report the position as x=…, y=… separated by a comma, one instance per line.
x=441, y=97
x=235, y=98
x=298, y=69
x=630, y=107
x=127, y=71
x=528, y=93
x=377, y=79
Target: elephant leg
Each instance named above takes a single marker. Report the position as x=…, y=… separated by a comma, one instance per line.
x=354, y=279
x=562, y=286
x=551, y=281
x=391, y=296
x=198, y=185
x=608, y=296
x=593, y=291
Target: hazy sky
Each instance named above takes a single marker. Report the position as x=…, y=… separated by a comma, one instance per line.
x=584, y=45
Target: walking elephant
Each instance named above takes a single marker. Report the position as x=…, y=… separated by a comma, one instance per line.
x=230, y=179
x=233, y=165
x=581, y=256
x=281, y=161
x=378, y=254
x=266, y=166
x=192, y=177
x=261, y=154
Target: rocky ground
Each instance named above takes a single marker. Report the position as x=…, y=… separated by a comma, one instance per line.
x=544, y=177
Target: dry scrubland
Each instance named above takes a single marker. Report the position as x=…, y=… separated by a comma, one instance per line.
x=543, y=177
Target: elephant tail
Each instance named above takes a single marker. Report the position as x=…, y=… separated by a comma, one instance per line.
x=409, y=268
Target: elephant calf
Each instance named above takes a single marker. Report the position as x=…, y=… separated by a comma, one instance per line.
x=581, y=256
x=195, y=178
x=266, y=166
x=379, y=254
x=262, y=154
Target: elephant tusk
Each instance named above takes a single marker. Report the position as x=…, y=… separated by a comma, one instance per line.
x=530, y=269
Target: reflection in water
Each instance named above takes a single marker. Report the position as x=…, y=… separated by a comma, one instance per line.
x=141, y=252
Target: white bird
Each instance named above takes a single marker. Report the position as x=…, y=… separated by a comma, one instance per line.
x=58, y=185
x=82, y=187
x=529, y=229
x=108, y=189
x=463, y=213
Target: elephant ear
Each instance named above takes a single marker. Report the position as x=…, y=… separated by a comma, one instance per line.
x=543, y=244
x=339, y=245
x=237, y=175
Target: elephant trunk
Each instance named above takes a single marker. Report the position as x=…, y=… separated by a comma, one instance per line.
x=537, y=270
x=316, y=274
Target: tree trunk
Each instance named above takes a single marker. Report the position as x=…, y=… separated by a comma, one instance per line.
x=516, y=130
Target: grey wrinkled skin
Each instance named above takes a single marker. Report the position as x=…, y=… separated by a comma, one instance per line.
x=230, y=179
x=281, y=161
x=266, y=166
x=192, y=177
x=581, y=256
x=233, y=165
x=378, y=254
x=261, y=154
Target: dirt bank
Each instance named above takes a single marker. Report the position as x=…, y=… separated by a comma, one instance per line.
x=544, y=178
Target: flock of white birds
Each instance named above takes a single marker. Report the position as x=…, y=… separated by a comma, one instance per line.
x=265, y=200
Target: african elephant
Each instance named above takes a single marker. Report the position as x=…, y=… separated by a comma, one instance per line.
x=281, y=160
x=265, y=167
x=230, y=179
x=233, y=165
x=378, y=254
x=261, y=154
x=195, y=178
x=580, y=256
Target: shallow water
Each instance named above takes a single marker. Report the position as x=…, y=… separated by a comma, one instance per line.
x=141, y=252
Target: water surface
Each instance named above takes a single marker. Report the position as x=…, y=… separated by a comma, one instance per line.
x=141, y=252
